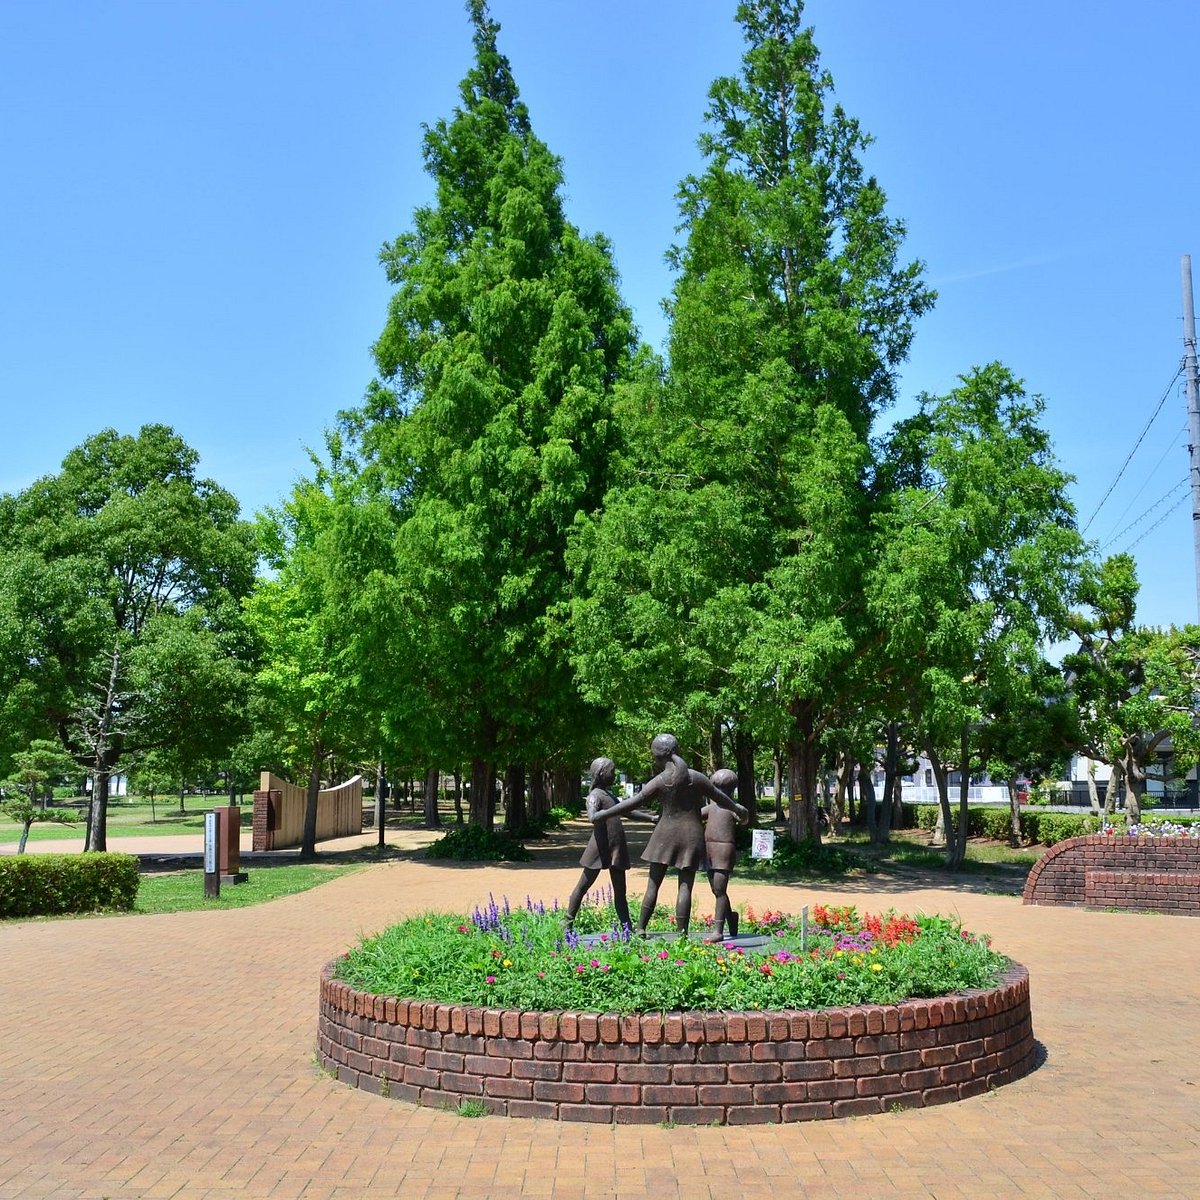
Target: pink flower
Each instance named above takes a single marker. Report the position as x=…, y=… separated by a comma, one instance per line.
x=464, y=929
x=595, y=962
x=491, y=979
x=663, y=954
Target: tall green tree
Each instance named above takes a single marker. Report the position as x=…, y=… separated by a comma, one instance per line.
x=324, y=676
x=725, y=573
x=127, y=570
x=1135, y=687
x=976, y=561
x=490, y=427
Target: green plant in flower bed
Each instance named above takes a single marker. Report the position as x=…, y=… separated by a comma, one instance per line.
x=474, y=843
x=524, y=958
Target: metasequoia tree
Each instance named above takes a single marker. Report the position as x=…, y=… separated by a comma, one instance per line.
x=490, y=428
x=727, y=566
x=127, y=570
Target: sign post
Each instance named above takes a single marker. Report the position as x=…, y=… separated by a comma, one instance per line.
x=212, y=872
x=762, y=843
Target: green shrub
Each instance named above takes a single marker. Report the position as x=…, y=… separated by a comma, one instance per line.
x=34, y=885
x=1048, y=828
x=792, y=857
x=474, y=843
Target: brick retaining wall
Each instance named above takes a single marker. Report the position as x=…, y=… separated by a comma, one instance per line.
x=689, y=1068
x=1115, y=871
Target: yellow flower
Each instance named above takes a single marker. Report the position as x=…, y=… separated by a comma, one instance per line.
x=877, y=966
x=508, y=962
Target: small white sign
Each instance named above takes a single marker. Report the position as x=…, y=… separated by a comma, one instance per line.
x=210, y=843
x=762, y=843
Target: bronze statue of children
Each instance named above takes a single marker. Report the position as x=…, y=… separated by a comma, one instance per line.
x=607, y=849
x=678, y=838
x=720, y=850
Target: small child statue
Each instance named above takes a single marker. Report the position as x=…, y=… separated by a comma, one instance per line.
x=720, y=851
x=607, y=849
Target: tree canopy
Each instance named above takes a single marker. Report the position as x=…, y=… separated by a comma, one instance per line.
x=125, y=573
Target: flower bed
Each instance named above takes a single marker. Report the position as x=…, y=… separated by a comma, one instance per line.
x=1108, y=870
x=702, y=1061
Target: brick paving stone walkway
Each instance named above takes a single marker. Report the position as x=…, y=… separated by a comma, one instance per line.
x=172, y=1056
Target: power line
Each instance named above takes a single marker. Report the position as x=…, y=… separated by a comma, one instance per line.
x=1157, y=523
x=1138, y=520
x=1129, y=456
x=1151, y=474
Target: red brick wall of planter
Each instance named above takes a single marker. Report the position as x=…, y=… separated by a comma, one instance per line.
x=690, y=1068
x=1101, y=871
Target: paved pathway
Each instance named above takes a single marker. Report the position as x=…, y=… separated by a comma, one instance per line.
x=172, y=1056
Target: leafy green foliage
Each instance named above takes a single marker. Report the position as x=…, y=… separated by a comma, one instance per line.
x=490, y=431
x=722, y=579
x=806, y=856
x=977, y=558
x=523, y=960
x=37, y=885
x=1135, y=687
x=474, y=843
x=1047, y=828
x=120, y=628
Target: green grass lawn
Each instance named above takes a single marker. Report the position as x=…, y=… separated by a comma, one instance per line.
x=910, y=847
x=129, y=817
x=183, y=891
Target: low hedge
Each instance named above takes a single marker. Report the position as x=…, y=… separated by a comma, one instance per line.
x=1047, y=828
x=36, y=885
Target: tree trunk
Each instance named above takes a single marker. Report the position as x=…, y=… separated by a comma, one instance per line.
x=538, y=803
x=879, y=824
x=458, y=807
x=1112, y=792
x=1093, y=791
x=945, y=820
x=1135, y=785
x=25, y=828
x=780, y=813
x=432, y=778
x=842, y=800
x=956, y=850
x=803, y=766
x=716, y=748
x=743, y=748
x=1014, y=811
x=514, y=785
x=97, y=831
x=308, y=843
x=481, y=803
x=565, y=795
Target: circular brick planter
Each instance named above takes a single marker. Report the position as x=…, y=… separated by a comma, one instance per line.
x=689, y=1068
x=1115, y=871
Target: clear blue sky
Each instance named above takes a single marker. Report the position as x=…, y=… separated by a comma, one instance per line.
x=194, y=196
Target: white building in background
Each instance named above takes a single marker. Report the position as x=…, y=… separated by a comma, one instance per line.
x=118, y=785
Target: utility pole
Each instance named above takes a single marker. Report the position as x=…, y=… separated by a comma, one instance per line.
x=1193, y=399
